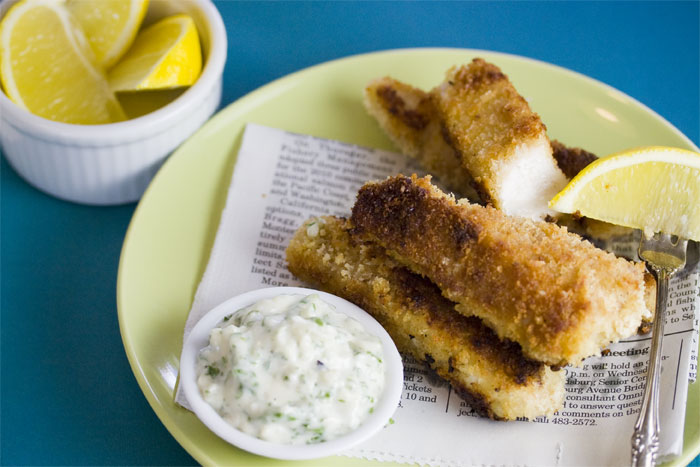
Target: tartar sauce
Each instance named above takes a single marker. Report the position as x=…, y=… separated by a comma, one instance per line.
x=291, y=370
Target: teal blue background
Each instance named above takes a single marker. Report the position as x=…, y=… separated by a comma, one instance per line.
x=67, y=394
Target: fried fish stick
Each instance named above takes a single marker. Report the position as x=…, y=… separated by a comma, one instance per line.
x=409, y=118
x=502, y=143
x=492, y=375
x=558, y=296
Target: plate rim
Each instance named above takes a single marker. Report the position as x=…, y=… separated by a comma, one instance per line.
x=249, y=100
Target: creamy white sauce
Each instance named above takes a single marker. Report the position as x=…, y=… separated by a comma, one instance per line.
x=292, y=370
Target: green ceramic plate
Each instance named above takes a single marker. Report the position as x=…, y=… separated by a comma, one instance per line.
x=168, y=242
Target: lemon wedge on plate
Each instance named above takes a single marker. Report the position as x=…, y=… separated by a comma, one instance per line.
x=165, y=55
x=47, y=67
x=656, y=189
x=109, y=25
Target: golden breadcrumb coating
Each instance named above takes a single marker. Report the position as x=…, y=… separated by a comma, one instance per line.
x=571, y=160
x=492, y=375
x=501, y=141
x=410, y=120
x=561, y=298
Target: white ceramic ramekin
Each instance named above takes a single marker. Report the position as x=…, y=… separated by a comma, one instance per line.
x=114, y=163
x=380, y=417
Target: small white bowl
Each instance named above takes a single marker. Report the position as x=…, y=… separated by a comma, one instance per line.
x=199, y=338
x=114, y=163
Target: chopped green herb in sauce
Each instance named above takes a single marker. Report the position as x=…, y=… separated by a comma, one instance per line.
x=281, y=368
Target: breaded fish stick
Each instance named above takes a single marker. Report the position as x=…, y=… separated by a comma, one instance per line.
x=409, y=118
x=502, y=143
x=558, y=296
x=492, y=375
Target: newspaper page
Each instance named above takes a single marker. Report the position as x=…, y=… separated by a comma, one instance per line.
x=281, y=179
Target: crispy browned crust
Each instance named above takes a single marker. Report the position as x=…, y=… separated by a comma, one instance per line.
x=415, y=118
x=571, y=160
x=601, y=233
x=491, y=374
x=555, y=294
x=462, y=99
x=408, y=117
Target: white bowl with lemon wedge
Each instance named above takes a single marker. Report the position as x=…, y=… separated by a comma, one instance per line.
x=86, y=115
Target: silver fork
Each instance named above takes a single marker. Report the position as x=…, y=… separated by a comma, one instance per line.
x=664, y=254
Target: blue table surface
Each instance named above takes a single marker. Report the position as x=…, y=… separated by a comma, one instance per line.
x=68, y=396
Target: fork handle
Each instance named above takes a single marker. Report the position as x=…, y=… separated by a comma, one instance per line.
x=645, y=439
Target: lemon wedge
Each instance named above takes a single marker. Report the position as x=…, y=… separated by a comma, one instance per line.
x=47, y=67
x=656, y=189
x=109, y=25
x=165, y=55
